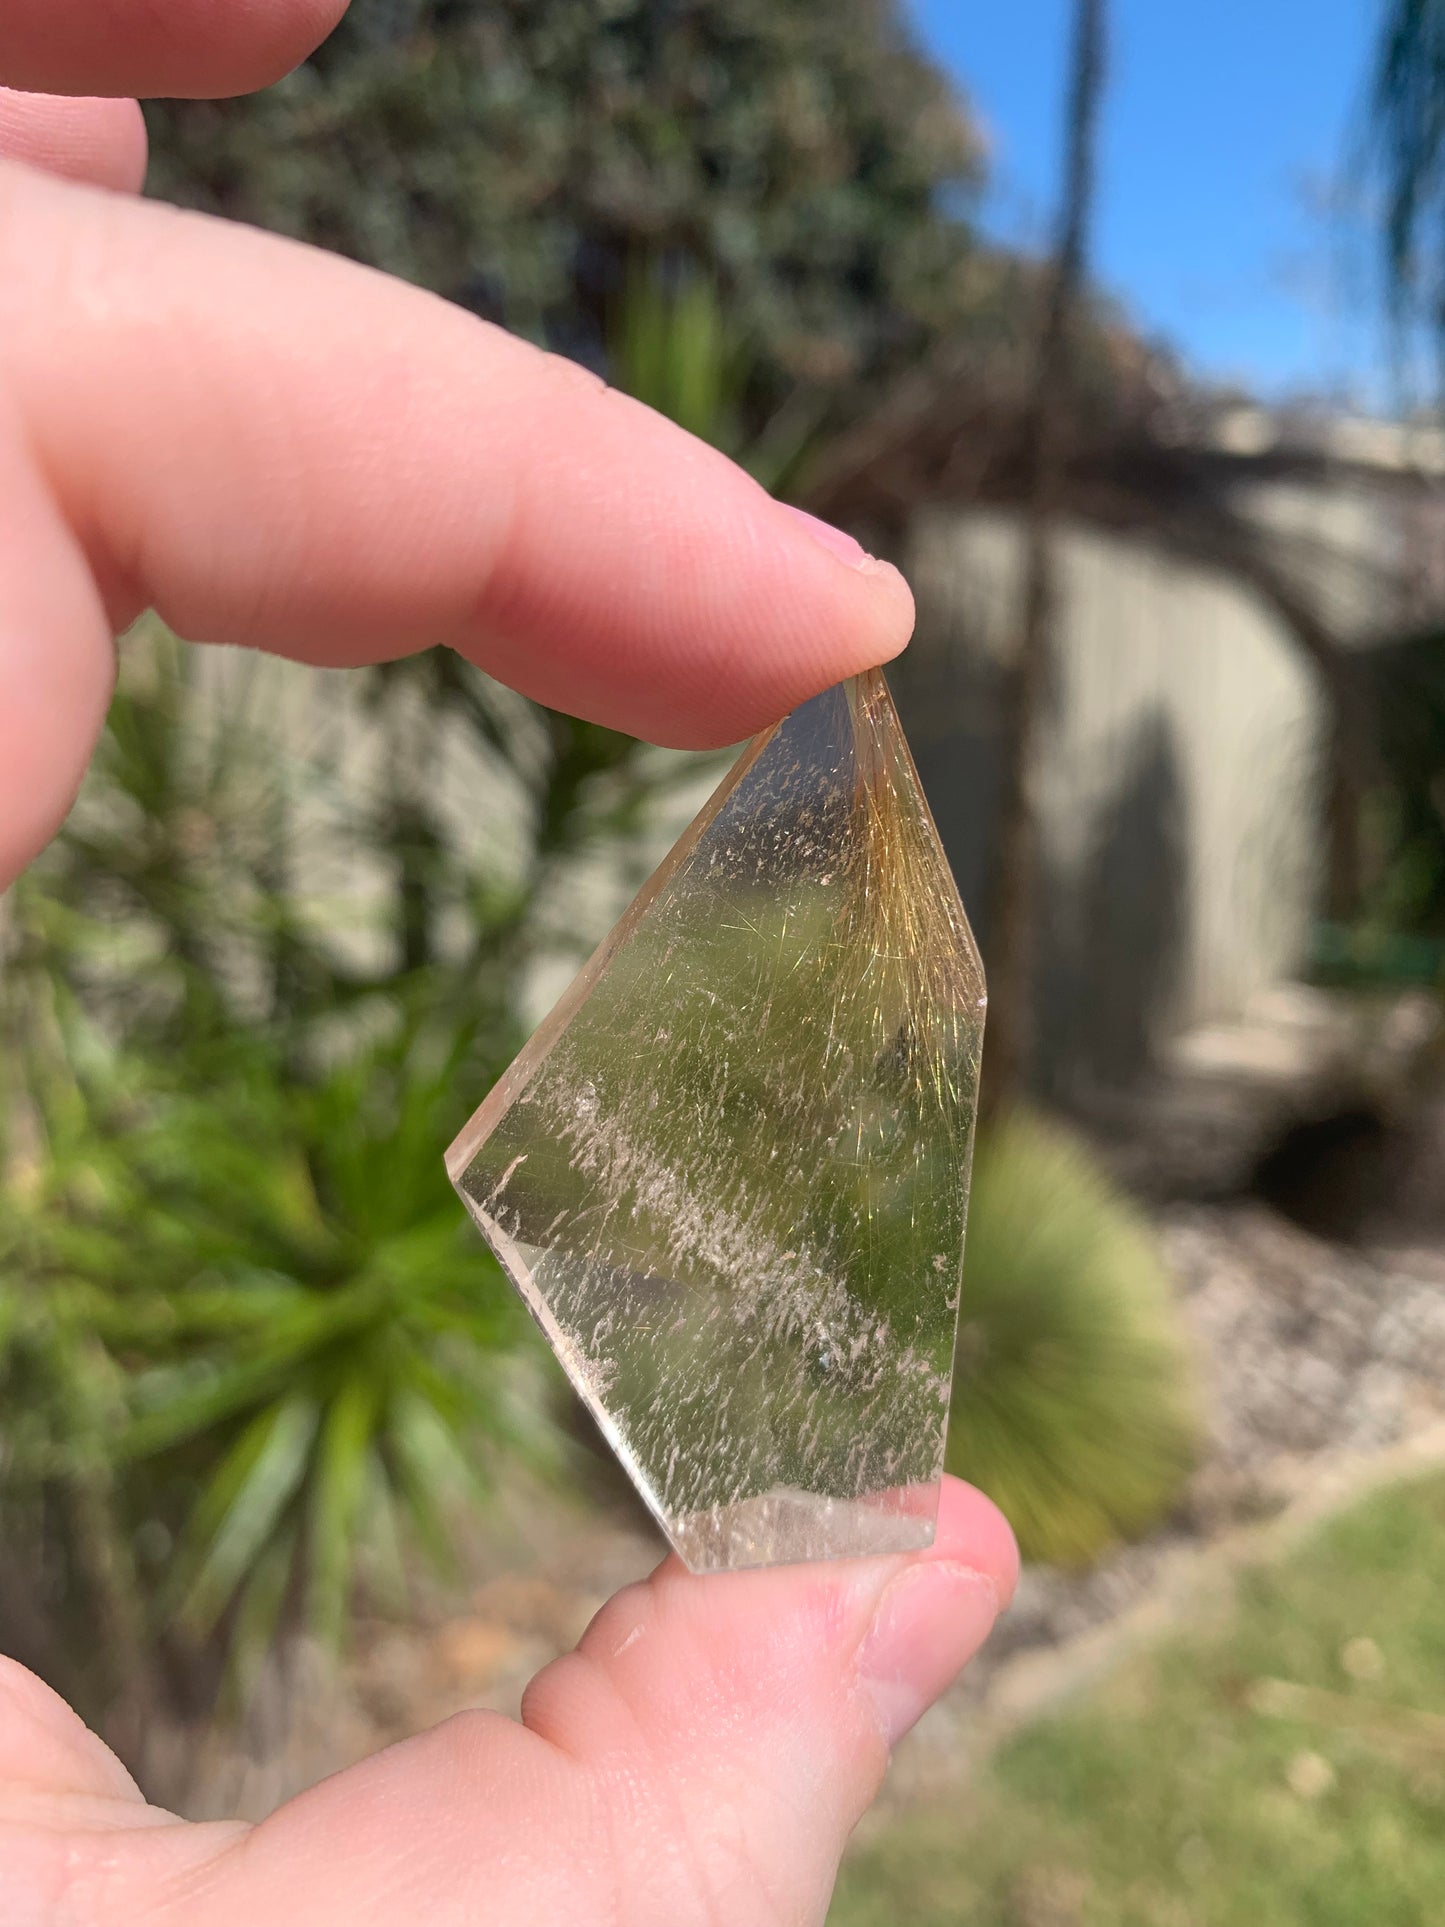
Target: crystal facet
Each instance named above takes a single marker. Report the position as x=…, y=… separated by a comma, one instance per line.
x=729, y=1172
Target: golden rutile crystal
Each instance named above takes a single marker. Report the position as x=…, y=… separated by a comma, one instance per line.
x=729, y=1172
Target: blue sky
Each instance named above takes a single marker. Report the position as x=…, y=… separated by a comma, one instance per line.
x=1225, y=123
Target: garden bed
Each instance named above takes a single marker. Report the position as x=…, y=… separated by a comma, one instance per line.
x=1312, y=1358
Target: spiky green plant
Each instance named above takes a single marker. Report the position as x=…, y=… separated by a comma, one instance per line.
x=251, y=1352
x=242, y=1319
x=672, y=344
x=1073, y=1406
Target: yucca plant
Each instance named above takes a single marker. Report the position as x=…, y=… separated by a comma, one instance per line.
x=253, y=1302
x=252, y=1354
x=1073, y=1405
x=673, y=345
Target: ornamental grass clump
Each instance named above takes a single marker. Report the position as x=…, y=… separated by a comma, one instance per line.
x=1073, y=1401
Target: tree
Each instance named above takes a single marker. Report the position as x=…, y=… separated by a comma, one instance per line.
x=1407, y=152
x=1124, y=445
x=1013, y=940
x=520, y=156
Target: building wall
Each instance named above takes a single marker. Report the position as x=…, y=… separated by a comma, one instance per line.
x=1178, y=789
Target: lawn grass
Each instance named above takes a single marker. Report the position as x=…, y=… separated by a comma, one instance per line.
x=1192, y=1790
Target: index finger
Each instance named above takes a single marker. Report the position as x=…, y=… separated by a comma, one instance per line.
x=195, y=47
x=276, y=447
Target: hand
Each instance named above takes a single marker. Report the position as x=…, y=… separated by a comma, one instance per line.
x=274, y=447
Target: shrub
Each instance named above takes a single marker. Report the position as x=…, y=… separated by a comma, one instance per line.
x=250, y=1347
x=1072, y=1405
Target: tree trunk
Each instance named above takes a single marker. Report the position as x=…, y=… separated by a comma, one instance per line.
x=1013, y=925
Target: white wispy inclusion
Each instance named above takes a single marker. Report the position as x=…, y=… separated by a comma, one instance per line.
x=729, y=1173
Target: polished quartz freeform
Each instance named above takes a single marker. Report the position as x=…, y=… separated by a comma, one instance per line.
x=729, y=1172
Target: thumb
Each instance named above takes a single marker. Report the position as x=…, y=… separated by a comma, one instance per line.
x=702, y=1757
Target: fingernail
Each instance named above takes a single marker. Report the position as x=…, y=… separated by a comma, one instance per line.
x=929, y=1623
x=838, y=540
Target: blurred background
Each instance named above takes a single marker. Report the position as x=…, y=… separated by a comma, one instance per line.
x=1118, y=327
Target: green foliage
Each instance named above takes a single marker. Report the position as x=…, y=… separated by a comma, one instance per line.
x=300, y=1338
x=673, y=351
x=672, y=346
x=250, y=1348
x=1398, y=933
x=521, y=156
x=1408, y=689
x=1173, y=1792
x=1072, y=1405
x=1408, y=152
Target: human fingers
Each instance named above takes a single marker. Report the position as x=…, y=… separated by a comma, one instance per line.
x=57, y=660
x=46, y=1749
x=200, y=48
x=79, y=1847
x=701, y=1758
x=273, y=446
x=102, y=141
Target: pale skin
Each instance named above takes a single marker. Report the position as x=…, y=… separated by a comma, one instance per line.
x=276, y=448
